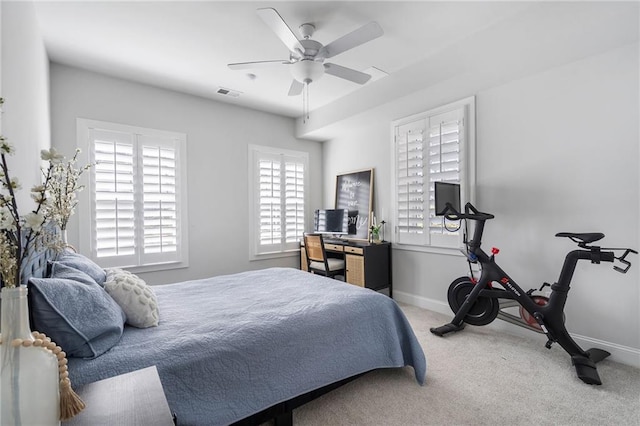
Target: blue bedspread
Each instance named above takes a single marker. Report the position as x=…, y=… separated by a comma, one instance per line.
x=230, y=346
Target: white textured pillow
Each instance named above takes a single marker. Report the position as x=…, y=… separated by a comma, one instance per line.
x=134, y=296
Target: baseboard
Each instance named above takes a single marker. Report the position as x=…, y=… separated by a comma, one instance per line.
x=619, y=353
x=623, y=354
x=421, y=302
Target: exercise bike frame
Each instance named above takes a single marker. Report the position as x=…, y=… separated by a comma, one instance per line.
x=549, y=316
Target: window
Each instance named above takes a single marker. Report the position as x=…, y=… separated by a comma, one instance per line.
x=277, y=193
x=137, y=196
x=436, y=145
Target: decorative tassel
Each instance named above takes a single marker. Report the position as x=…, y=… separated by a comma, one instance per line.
x=70, y=402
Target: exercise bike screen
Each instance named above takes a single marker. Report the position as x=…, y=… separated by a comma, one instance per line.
x=446, y=192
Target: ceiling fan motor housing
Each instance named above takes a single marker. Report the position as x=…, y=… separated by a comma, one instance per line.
x=311, y=49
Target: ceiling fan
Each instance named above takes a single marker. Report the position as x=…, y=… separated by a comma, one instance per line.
x=307, y=57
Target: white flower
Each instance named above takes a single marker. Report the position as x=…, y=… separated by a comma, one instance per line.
x=5, y=146
x=6, y=220
x=51, y=155
x=34, y=221
x=38, y=188
x=39, y=197
x=5, y=199
x=15, y=184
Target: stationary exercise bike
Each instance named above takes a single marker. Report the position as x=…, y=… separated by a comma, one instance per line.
x=478, y=302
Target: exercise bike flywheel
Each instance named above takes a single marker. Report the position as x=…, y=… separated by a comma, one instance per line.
x=483, y=311
x=528, y=318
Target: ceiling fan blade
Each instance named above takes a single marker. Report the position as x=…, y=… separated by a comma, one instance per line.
x=259, y=64
x=355, y=38
x=296, y=88
x=272, y=18
x=346, y=73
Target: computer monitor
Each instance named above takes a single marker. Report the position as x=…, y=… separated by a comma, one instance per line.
x=447, y=192
x=331, y=221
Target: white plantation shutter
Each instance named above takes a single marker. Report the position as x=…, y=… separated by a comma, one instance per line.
x=429, y=147
x=137, y=200
x=445, y=165
x=410, y=181
x=278, y=194
x=114, y=193
x=159, y=198
x=270, y=201
x=294, y=200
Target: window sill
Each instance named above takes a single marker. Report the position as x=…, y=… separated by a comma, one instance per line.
x=156, y=267
x=275, y=255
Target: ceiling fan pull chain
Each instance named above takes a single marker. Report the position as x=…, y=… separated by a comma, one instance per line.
x=305, y=102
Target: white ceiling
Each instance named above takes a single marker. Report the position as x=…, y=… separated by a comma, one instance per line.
x=186, y=46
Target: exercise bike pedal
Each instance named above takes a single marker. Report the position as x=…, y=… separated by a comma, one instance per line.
x=447, y=328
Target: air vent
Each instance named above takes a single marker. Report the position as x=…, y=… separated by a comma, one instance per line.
x=228, y=92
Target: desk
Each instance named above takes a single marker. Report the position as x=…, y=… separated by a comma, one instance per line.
x=368, y=264
x=131, y=399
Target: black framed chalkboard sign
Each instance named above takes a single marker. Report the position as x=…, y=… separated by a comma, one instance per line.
x=354, y=192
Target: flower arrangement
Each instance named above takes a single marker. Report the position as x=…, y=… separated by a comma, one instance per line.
x=22, y=236
x=375, y=231
x=19, y=235
x=374, y=228
x=64, y=185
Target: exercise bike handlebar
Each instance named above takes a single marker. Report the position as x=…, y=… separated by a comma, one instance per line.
x=470, y=212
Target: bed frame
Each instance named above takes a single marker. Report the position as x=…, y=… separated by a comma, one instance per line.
x=282, y=413
x=37, y=265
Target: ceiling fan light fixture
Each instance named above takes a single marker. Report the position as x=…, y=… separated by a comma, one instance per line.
x=307, y=70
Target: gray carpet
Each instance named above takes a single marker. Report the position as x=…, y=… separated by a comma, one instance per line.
x=481, y=377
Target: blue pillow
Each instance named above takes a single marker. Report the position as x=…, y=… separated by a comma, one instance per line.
x=78, y=315
x=60, y=270
x=82, y=263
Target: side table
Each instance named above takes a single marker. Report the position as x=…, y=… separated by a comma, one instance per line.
x=131, y=399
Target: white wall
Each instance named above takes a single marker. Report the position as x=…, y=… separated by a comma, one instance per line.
x=25, y=87
x=556, y=151
x=218, y=136
x=585, y=115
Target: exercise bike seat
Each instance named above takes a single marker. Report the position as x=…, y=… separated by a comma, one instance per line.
x=585, y=238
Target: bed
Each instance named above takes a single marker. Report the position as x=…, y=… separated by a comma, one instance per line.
x=254, y=345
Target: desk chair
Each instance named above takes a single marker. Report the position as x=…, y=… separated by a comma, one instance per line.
x=317, y=260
